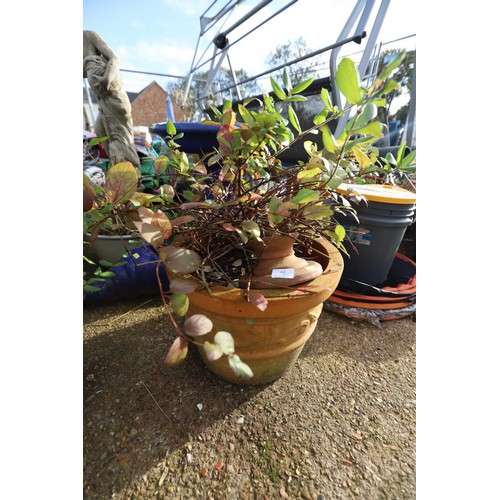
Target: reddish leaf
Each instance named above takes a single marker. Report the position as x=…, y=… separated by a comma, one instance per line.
x=194, y=204
x=146, y=214
x=162, y=222
x=150, y=233
x=179, y=285
x=181, y=220
x=197, y=325
x=167, y=190
x=258, y=300
x=180, y=260
x=178, y=351
x=160, y=164
x=121, y=182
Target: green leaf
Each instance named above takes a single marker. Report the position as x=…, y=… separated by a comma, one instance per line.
x=251, y=227
x=108, y=274
x=171, y=130
x=361, y=157
x=305, y=196
x=238, y=367
x=268, y=103
x=401, y=150
x=242, y=235
x=369, y=112
x=389, y=157
x=348, y=82
x=386, y=72
x=389, y=86
x=216, y=112
x=280, y=94
x=212, y=351
x=297, y=98
x=373, y=128
x=317, y=212
x=338, y=179
x=274, y=206
x=105, y=263
x=325, y=97
x=408, y=160
x=97, y=140
x=320, y=117
x=301, y=86
x=340, y=233
x=248, y=100
x=286, y=80
x=184, y=163
x=179, y=303
x=246, y=115
x=308, y=173
x=225, y=341
x=294, y=119
x=329, y=142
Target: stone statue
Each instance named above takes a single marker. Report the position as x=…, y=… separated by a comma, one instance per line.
x=101, y=68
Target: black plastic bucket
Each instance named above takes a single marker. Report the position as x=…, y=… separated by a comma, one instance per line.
x=376, y=238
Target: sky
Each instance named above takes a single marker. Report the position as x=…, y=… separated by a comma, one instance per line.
x=160, y=36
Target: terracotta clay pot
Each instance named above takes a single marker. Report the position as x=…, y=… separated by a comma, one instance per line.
x=268, y=341
x=277, y=253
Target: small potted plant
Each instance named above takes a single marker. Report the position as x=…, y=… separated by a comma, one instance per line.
x=251, y=245
x=110, y=208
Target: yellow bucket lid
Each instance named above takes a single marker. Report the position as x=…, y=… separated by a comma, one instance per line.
x=380, y=192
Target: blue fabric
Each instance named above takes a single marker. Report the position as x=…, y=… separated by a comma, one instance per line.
x=131, y=280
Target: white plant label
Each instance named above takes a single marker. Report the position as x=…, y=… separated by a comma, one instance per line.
x=283, y=273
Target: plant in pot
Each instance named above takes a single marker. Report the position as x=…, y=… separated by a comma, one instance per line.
x=109, y=209
x=252, y=249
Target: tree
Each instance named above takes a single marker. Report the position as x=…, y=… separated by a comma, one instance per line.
x=197, y=102
x=403, y=76
x=290, y=51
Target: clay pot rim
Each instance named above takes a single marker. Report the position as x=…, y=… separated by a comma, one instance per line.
x=324, y=284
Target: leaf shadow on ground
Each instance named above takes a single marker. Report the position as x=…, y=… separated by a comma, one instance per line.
x=136, y=413
x=140, y=410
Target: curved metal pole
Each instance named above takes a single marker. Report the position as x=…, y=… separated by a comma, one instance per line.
x=365, y=57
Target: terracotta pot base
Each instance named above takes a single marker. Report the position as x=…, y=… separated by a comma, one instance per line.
x=268, y=341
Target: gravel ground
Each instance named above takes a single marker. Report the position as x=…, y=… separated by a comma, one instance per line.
x=341, y=423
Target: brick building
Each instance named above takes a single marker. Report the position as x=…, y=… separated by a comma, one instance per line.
x=148, y=107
